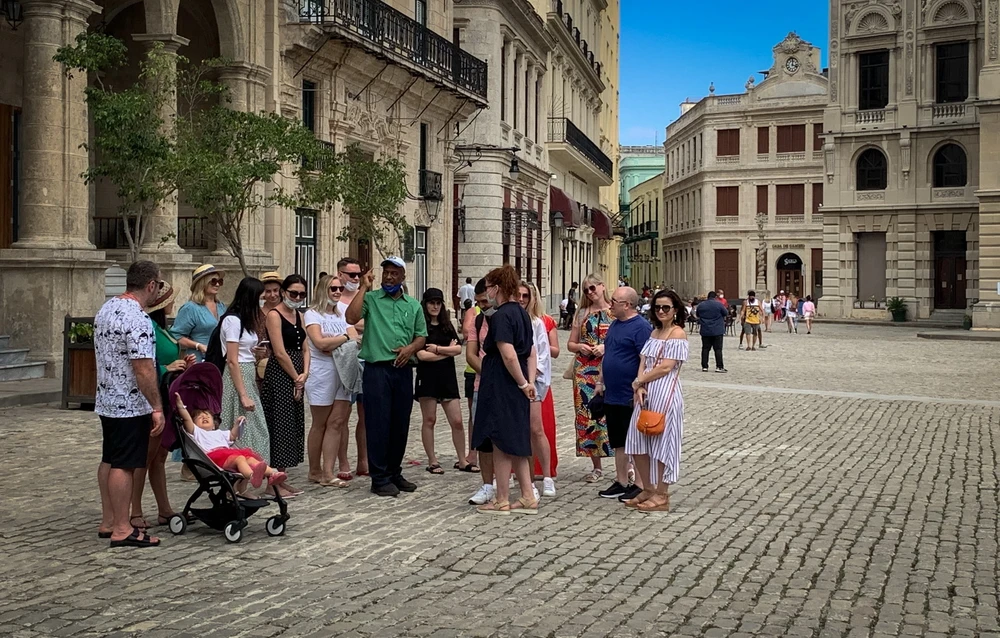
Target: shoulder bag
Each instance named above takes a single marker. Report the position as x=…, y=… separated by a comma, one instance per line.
x=650, y=422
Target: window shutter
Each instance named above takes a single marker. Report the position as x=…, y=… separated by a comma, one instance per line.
x=762, y=199
x=791, y=199
x=763, y=140
x=792, y=139
x=727, y=201
x=817, y=137
x=728, y=142
x=817, y=197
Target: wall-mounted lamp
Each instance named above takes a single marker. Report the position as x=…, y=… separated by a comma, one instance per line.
x=469, y=154
x=13, y=12
x=557, y=220
x=515, y=170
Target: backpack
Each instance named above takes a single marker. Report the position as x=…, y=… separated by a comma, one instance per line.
x=215, y=353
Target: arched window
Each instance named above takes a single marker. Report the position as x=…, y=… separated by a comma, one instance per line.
x=950, y=167
x=872, y=170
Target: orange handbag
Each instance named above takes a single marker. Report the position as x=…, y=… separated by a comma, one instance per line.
x=651, y=423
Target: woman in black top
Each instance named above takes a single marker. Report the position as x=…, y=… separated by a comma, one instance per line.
x=506, y=389
x=285, y=376
x=436, y=381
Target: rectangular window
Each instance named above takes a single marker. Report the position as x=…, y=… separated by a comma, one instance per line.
x=727, y=201
x=817, y=198
x=309, y=105
x=873, y=71
x=728, y=142
x=305, y=244
x=763, y=140
x=762, y=199
x=727, y=271
x=503, y=82
x=420, y=260
x=952, y=72
x=790, y=199
x=420, y=12
x=792, y=139
x=817, y=137
x=423, y=146
x=871, y=266
x=527, y=93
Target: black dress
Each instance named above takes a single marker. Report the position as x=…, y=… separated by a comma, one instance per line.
x=436, y=379
x=503, y=414
x=286, y=419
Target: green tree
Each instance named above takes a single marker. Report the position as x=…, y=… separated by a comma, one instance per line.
x=132, y=147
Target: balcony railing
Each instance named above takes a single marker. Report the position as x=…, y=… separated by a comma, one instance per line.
x=561, y=129
x=574, y=33
x=789, y=219
x=394, y=32
x=109, y=232
x=876, y=116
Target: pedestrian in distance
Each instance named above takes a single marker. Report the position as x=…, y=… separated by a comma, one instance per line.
x=808, y=312
x=712, y=315
x=751, y=316
x=395, y=330
x=622, y=354
x=127, y=401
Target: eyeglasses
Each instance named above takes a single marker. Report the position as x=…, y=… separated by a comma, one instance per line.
x=216, y=282
x=336, y=289
x=663, y=308
x=352, y=275
x=614, y=301
x=295, y=294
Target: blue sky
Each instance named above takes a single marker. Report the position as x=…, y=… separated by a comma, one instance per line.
x=672, y=49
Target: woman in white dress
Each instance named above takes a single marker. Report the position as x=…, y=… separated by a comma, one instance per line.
x=329, y=400
x=540, y=448
x=657, y=388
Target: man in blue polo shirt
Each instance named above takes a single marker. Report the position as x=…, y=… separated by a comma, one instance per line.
x=395, y=330
x=622, y=351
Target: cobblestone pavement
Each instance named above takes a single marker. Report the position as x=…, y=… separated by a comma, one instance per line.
x=836, y=484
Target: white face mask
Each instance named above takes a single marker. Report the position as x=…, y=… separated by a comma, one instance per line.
x=351, y=286
x=294, y=305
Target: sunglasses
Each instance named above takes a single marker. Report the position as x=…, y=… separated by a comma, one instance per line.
x=336, y=289
x=295, y=294
x=592, y=288
x=216, y=282
x=663, y=308
x=526, y=295
x=352, y=275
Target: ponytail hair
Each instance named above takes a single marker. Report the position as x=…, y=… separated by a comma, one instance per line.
x=506, y=279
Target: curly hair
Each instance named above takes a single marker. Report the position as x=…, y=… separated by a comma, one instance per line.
x=505, y=278
x=680, y=312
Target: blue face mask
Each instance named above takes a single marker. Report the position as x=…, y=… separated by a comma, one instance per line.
x=392, y=290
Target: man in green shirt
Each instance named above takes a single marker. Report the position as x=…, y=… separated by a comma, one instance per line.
x=395, y=330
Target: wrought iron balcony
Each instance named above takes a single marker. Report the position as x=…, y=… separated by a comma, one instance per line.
x=574, y=33
x=392, y=32
x=430, y=185
x=562, y=129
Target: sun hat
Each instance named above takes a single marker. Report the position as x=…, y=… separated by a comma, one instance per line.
x=270, y=276
x=164, y=299
x=432, y=294
x=392, y=260
x=201, y=272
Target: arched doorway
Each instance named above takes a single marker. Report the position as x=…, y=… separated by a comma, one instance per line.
x=790, y=274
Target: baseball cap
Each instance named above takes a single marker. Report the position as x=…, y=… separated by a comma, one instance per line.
x=392, y=260
x=432, y=294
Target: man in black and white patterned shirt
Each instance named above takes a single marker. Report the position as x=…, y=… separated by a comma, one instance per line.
x=128, y=399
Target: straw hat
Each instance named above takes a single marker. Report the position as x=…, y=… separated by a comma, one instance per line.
x=164, y=299
x=270, y=276
x=203, y=271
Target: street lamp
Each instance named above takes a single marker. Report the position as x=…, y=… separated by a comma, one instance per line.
x=13, y=12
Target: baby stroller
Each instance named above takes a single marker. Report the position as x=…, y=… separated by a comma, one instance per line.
x=200, y=387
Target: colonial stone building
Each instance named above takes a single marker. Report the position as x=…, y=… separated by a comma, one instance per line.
x=391, y=76
x=743, y=185
x=635, y=165
x=642, y=247
x=911, y=159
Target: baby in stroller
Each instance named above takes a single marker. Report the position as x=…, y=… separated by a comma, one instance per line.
x=218, y=445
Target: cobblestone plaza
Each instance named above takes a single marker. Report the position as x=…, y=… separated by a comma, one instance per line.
x=836, y=484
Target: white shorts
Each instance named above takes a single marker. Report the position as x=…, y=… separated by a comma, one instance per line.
x=540, y=390
x=323, y=386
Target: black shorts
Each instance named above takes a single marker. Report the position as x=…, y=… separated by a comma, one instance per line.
x=470, y=384
x=486, y=447
x=618, y=418
x=125, y=441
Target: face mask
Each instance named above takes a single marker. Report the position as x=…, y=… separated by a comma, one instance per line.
x=331, y=303
x=492, y=301
x=262, y=302
x=294, y=305
x=490, y=312
x=392, y=290
x=351, y=286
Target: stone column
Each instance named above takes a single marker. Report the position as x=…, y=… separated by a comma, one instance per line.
x=160, y=237
x=509, y=52
x=986, y=313
x=529, y=117
x=55, y=201
x=519, y=71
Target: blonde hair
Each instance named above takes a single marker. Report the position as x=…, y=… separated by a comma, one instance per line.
x=535, y=309
x=321, y=295
x=585, y=301
x=198, y=291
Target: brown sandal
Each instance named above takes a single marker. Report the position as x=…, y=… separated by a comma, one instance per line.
x=633, y=503
x=496, y=508
x=524, y=506
x=646, y=506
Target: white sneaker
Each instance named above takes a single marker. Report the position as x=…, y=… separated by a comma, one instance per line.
x=485, y=494
x=548, y=487
x=534, y=490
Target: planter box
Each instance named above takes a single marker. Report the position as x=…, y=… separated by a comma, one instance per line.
x=79, y=368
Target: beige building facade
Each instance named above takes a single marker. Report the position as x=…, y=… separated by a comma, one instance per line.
x=642, y=248
x=742, y=193
x=400, y=86
x=912, y=159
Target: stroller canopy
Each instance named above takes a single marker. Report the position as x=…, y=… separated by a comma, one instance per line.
x=200, y=387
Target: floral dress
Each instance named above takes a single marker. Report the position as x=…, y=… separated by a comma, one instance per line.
x=591, y=436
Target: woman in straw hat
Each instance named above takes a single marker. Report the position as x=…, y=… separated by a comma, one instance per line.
x=169, y=363
x=198, y=318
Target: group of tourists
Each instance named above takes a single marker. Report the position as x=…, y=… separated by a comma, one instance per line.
x=358, y=344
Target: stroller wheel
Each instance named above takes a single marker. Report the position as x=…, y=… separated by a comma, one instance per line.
x=275, y=526
x=233, y=532
x=178, y=524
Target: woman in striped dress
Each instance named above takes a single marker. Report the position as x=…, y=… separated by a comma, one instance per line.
x=657, y=388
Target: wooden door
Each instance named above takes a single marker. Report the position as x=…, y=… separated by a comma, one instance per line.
x=790, y=281
x=949, y=284
x=727, y=271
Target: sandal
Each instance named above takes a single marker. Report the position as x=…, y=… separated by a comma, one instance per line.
x=468, y=467
x=435, y=468
x=137, y=538
x=525, y=506
x=143, y=526
x=647, y=506
x=335, y=482
x=495, y=508
x=343, y=476
x=101, y=534
x=594, y=476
